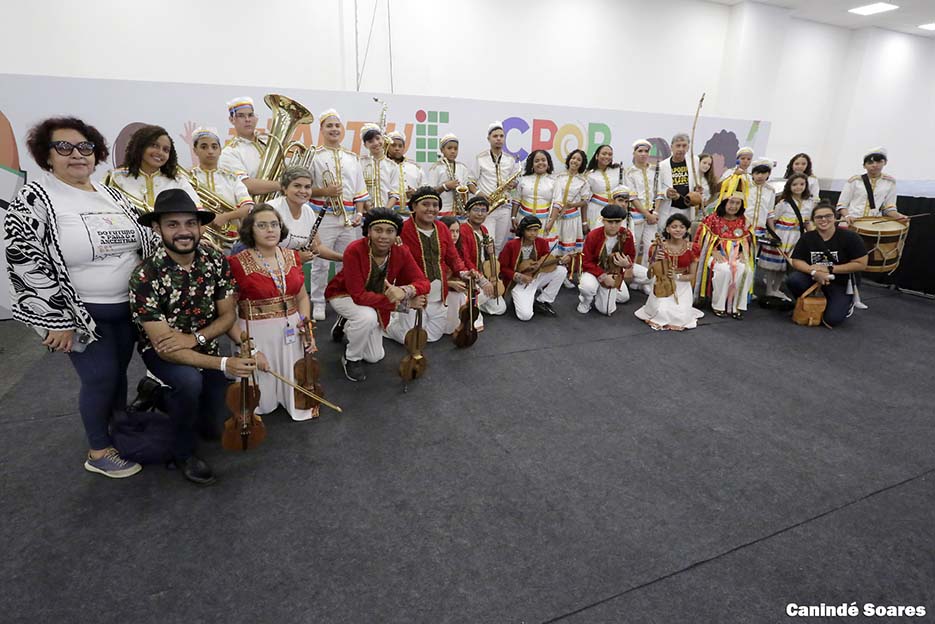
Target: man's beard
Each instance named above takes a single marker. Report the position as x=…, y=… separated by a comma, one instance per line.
x=172, y=247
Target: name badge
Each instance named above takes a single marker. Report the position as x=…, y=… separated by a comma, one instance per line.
x=289, y=334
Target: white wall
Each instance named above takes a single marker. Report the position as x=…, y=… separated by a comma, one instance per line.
x=752, y=60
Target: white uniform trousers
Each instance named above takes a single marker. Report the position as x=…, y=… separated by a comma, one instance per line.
x=434, y=322
x=333, y=235
x=455, y=301
x=643, y=236
x=524, y=296
x=592, y=292
x=498, y=223
x=721, y=277
x=362, y=329
x=495, y=306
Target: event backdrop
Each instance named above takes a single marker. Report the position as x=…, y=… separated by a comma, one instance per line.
x=116, y=106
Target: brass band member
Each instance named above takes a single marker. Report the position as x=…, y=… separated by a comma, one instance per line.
x=406, y=176
x=338, y=188
x=243, y=152
x=226, y=184
x=378, y=277
x=376, y=166
x=493, y=167
x=448, y=175
x=150, y=167
x=643, y=217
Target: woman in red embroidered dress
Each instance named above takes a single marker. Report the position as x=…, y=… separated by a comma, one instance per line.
x=725, y=274
x=675, y=312
x=272, y=296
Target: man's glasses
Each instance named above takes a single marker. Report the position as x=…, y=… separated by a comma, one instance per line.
x=822, y=217
x=271, y=225
x=64, y=148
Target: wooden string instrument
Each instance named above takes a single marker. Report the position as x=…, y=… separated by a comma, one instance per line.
x=244, y=429
x=466, y=334
x=413, y=364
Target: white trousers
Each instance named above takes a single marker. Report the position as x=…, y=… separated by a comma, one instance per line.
x=591, y=292
x=723, y=279
x=643, y=236
x=363, y=330
x=524, y=296
x=333, y=235
x=494, y=307
x=434, y=322
x=498, y=224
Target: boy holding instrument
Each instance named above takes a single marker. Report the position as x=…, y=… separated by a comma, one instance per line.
x=530, y=271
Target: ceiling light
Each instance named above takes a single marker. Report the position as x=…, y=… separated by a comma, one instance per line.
x=873, y=9
x=927, y=26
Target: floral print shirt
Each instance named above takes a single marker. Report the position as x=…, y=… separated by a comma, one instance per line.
x=161, y=290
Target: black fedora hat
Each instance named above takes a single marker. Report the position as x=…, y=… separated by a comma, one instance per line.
x=174, y=201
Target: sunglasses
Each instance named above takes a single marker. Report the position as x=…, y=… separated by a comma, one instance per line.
x=64, y=148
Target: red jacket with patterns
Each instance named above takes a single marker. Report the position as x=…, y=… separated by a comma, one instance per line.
x=448, y=257
x=510, y=257
x=594, y=244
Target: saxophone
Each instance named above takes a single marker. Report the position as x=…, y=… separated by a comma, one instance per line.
x=460, y=191
x=500, y=195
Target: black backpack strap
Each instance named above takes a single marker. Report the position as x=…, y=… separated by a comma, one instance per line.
x=798, y=215
x=869, y=187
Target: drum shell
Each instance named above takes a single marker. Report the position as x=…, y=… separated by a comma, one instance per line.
x=884, y=239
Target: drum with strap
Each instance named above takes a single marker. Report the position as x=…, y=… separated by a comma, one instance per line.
x=884, y=238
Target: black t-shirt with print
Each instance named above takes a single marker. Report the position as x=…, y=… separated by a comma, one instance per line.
x=844, y=247
x=680, y=183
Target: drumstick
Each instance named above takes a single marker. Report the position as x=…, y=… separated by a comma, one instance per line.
x=924, y=214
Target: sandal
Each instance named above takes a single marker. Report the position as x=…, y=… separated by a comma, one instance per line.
x=720, y=313
x=738, y=316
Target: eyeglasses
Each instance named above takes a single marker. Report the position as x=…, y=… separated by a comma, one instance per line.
x=64, y=148
x=271, y=225
x=478, y=208
x=822, y=217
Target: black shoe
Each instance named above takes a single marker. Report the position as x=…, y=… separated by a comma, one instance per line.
x=543, y=308
x=337, y=330
x=353, y=370
x=197, y=471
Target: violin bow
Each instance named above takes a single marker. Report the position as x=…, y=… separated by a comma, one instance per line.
x=691, y=144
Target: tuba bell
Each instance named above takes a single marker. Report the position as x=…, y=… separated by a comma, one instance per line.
x=287, y=116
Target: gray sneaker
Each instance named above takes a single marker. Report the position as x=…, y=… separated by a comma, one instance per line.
x=112, y=465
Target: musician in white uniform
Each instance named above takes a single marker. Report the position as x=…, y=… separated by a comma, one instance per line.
x=641, y=180
x=494, y=167
x=447, y=174
x=339, y=188
x=405, y=177
x=244, y=151
x=376, y=166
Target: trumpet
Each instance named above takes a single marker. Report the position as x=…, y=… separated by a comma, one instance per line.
x=335, y=204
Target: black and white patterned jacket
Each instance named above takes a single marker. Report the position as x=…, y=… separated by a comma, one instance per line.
x=41, y=293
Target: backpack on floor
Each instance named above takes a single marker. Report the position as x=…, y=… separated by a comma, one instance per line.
x=809, y=309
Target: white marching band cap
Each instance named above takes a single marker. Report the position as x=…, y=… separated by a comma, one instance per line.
x=763, y=161
x=205, y=131
x=640, y=142
x=367, y=127
x=745, y=150
x=620, y=191
x=496, y=125
x=448, y=138
x=876, y=150
x=325, y=115
x=239, y=102
x=396, y=135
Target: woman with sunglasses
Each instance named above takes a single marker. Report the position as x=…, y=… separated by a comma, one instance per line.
x=71, y=245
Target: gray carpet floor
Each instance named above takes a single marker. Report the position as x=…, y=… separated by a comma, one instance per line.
x=575, y=469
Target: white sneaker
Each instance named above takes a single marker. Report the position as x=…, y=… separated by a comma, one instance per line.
x=647, y=289
x=318, y=312
x=860, y=305
x=568, y=283
x=583, y=309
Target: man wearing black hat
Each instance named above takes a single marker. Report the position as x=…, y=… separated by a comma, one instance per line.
x=528, y=245
x=378, y=277
x=607, y=247
x=182, y=298
x=433, y=250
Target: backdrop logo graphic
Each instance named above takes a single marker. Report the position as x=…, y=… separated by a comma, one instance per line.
x=427, y=134
x=547, y=135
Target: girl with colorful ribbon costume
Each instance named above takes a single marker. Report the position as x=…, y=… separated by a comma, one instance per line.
x=726, y=259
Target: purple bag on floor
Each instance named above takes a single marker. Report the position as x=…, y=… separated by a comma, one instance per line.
x=146, y=437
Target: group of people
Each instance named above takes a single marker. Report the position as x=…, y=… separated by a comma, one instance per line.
x=186, y=264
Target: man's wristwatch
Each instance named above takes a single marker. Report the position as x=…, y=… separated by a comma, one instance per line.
x=202, y=341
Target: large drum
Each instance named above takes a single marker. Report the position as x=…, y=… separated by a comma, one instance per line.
x=884, y=238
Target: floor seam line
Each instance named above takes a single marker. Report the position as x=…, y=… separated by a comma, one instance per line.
x=740, y=547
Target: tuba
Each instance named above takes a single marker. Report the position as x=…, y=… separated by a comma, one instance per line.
x=212, y=202
x=287, y=116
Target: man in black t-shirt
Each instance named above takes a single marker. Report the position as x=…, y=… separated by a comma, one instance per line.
x=829, y=256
